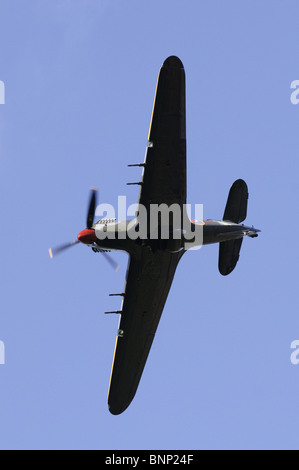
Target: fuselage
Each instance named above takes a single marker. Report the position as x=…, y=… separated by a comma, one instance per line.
x=125, y=235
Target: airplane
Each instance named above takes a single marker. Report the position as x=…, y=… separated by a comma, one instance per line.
x=153, y=260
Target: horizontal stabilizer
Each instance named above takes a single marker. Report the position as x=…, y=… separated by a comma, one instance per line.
x=236, y=206
x=229, y=252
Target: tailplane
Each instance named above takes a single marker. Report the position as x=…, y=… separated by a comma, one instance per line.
x=236, y=206
x=235, y=211
x=229, y=253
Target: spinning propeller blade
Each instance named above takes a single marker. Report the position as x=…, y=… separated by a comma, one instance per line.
x=58, y=249
x=111, y=261
x=91, y=208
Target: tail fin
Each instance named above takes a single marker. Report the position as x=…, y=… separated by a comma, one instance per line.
x=235, y=211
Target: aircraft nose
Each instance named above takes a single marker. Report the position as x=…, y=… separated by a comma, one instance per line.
x=87, y=236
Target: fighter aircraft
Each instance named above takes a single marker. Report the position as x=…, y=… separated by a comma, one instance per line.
x=153, y=259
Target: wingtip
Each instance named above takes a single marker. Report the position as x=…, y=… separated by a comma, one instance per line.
x=50, y=253
x=173, y=62
x=117, y=410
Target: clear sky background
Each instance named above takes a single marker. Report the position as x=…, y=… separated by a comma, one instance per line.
x=79, y=83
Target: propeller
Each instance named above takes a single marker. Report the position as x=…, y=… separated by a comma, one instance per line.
x=91, y=208
x=58, y=249
x=89, y=223
x=111, y=261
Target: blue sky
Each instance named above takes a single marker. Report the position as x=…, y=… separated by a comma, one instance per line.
x=79, y=83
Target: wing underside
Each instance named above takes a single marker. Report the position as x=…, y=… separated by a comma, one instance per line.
x=150, y=272
x=148, y=282
x=164, y=176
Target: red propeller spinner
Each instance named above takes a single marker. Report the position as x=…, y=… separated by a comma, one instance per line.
x=87, y=236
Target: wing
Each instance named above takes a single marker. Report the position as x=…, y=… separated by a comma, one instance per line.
x=150, y=273
x=148, y=281
x=164, y=175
